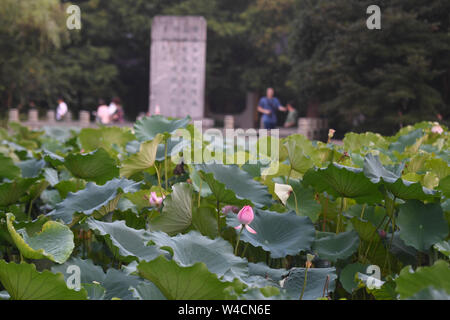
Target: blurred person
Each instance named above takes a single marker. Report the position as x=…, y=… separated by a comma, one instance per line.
x=120, y=114
x=61, y=110
x=103, y=114
x=268, y=106
x=291, y=119
x=113, y=107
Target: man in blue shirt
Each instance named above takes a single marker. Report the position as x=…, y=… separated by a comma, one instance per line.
x=268, y=106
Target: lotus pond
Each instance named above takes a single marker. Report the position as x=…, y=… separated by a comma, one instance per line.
x=119, y=213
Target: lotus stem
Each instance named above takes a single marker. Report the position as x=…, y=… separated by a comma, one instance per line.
x=159, y=180
x=289, y=175
x=238, y=239
x=304, y=283
x=29, y=209
x=218, y=218
x=339, y=215
x=199, y=193
x=166, y=174
x=296, y=203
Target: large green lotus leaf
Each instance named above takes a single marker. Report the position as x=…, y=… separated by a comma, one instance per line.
x=297, y=158
x=149, y=127
x=443, y=247
x=406, y=254
x=385, y=292
x=147, y=291
x=176, y=214
x=174, y=147
x=190, y=248
x=198, y=183
x=438, y=166
x=8, y=169
x=374, y=170
x=303, y=202
x=104, y=137
x=61, y=134
x=11, y=192
x=4, y=295
x=355, y=142
x=72, y=185
x=347, y=275
x=52, y=158
x=315, y=282
x=23, y=282
x=409, y=283
x=220, y=191
x=139, y=199
x=343, y=181
x=51, y=175
x=400, y=188
x=24, y=132
x=406, y=140
x=93, y=198
x=305, y=145
x=444, y=186
x=127, y=243
x=185, y=283
x=142, y=160
x=204, y=220
x=430, y=294
x=281, y=234
x=237, y=180
x=31, y=168
x=421, y=225
x=96, y=166
x=54, y=241
x=116, y=283
x=336, y=246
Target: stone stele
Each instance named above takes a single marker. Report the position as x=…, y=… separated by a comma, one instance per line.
x=177, y=66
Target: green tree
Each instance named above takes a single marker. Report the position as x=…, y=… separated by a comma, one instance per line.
x=372, y=79
x=29, y=31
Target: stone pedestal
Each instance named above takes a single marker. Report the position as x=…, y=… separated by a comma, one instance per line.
x=228, y=122
x=13, y=115
x=312, y=128
x=177, y=66
x=68, y=117
x=51, y=116
x=85, y=118
x=33, y=116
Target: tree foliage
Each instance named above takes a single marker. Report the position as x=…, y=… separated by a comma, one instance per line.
x=399, y=74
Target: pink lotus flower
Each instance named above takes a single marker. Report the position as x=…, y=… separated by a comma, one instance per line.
x=155, y=200
x=245, y=217
x=437, y=129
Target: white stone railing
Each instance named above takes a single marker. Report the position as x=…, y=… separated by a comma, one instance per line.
x=34, y=121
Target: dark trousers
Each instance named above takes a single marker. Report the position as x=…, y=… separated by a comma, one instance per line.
x=269, y=125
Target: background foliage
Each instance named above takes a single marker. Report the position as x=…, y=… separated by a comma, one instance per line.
x=318, y=53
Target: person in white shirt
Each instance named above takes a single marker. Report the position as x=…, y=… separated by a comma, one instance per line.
x=61, y=110
x=113, y=107
x=103, y=115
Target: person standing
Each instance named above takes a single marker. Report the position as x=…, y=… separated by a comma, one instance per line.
x=113, y=108
x=268, y=106
x=61, y=110
x=291, y=119
x=103, y=115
